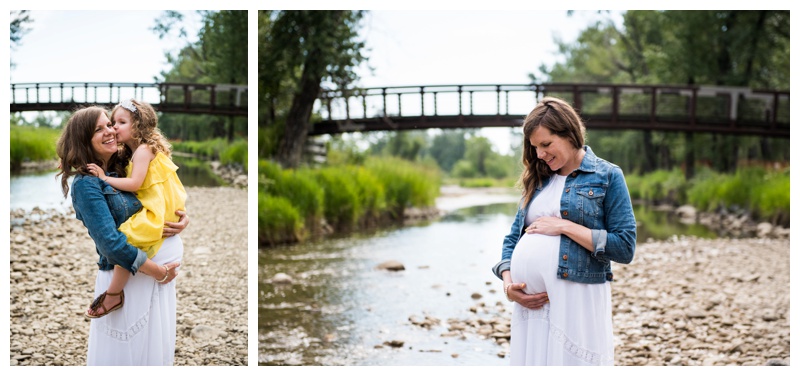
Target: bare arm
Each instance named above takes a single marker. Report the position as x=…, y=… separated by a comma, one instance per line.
x=141, y=161
x=158, y=271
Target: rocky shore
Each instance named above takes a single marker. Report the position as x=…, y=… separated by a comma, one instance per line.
x=52, y=271
x=684, y=301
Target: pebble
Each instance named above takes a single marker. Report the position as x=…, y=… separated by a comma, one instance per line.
x=682, y=301
x=51, y=250
x=391, y=265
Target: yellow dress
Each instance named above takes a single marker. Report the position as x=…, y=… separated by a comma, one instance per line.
x=161, y=194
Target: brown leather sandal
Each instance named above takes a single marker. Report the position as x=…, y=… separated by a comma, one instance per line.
x=98, y=303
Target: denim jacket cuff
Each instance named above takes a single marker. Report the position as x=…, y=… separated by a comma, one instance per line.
x=141, y=257
x=599, y=238
x=500, y=267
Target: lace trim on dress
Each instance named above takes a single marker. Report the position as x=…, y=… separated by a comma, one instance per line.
x=561, y=337
x=577, y=351
x=535, y=314
x=137, y=327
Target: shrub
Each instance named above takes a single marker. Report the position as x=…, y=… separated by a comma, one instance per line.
x=278, y=220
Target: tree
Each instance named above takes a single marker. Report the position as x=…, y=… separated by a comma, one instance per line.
x=218, y=57
x=727, y=48
x=18, y=20
x=478, y=150
x=448, y=147
x=298, y=51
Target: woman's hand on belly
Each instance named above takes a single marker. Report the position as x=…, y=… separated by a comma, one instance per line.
x=547, y=226
x=533, y=301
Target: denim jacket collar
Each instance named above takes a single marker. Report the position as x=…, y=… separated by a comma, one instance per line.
x=589, y=162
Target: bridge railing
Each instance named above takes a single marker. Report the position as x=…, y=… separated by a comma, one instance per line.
x=216, y=99
x=660, y=107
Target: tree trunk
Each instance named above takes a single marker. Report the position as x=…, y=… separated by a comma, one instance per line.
x=297, y=124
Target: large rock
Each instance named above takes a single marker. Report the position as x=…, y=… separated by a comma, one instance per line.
x=282, y=279
x=391, y=265
x=764, y=229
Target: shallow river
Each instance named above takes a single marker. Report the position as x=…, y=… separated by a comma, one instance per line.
x=43, y=189
x=340, y=309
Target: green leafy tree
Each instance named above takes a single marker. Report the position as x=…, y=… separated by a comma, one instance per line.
x=298, y=52
x=448, y=147
x=18, y=20
x=725, y=48
x=478, y=151
x=218, y=57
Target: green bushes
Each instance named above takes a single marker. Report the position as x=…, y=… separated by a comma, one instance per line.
x=658, y=186
x=345, y=196
x=765, y=194
x=217, y=148
x=236, y=152
x=406, y=184
x=278, y=221
x=32, y=144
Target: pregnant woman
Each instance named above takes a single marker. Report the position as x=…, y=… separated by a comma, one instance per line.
x=575, y=218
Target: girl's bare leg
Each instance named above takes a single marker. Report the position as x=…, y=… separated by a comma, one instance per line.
x=118, y=281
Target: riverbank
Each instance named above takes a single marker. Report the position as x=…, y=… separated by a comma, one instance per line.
x=52, y=273
x=683, y=301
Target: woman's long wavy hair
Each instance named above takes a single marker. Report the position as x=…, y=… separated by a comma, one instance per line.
x=74, y=147
x=144, y=129
x=561, y=119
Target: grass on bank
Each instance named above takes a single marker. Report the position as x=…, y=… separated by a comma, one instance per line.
x=217, y=148
x=764, y=194
x=344, y=196
x=32, y=144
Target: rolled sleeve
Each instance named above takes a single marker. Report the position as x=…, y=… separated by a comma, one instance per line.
x=500, y=267
x=599, y=238
x=620, y=241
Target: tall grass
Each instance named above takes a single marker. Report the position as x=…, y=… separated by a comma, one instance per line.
x=235, y=152
x=344, y=196
x=278, y=221
x=406, y=184
x=32, y=144
x=658, y=186
x=217, y=148
x=765, y=194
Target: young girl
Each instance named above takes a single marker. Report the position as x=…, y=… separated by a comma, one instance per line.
x=151, y=174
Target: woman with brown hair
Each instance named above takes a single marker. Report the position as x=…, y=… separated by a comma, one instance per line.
x=142, y=332
x=574, y=218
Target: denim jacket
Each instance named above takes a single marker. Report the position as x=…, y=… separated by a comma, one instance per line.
x=102, y=209
x=595, y=196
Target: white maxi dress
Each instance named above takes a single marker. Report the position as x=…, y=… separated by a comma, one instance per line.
x=142, y=332
x=575, y=327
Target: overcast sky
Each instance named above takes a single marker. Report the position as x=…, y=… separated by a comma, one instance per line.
x=467, y=47
x=95, y=46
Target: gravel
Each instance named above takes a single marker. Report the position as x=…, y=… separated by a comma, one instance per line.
x=684, y=301
x=53, y=267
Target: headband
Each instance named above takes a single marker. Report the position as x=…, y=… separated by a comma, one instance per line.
x=128, y=105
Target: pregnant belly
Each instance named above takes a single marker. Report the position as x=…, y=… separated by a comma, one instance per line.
x=535, y=261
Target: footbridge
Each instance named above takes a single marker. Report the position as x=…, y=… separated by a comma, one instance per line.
x=683, y=108
x=186, y=98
